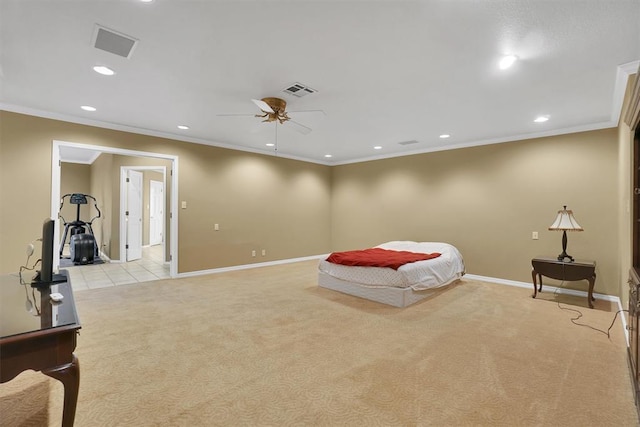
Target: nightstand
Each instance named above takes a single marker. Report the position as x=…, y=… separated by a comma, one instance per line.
x=567, y=271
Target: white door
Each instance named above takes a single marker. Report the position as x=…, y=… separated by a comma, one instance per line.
x=134, y=215
x=156, y=212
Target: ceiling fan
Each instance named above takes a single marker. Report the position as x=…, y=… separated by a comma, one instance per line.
x=274, y=110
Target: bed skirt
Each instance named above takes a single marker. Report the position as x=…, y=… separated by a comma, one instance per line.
x=397, y=297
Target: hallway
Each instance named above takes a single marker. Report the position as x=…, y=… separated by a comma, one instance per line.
x=150, y=267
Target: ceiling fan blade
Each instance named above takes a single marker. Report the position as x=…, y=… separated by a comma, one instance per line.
x=235, y=115
x=298, y=127
x=318, y=113
x=263, y=106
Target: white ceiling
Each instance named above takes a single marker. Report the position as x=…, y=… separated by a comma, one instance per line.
x=385, y=71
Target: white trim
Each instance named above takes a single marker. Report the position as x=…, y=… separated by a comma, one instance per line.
x=140, y=131
x=55, y=203
x=496, y=280
x=622, y=74
x=249, y=266
x=554, y=289
x=55, y=191
x=105, y=258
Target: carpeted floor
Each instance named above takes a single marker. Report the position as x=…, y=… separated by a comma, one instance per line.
x=267, y=347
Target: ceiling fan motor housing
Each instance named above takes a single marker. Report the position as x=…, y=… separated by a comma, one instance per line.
x=278, y=106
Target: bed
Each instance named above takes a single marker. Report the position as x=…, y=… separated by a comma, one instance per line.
x=399, y=287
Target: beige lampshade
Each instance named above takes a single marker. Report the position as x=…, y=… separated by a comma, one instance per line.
x=565, y=221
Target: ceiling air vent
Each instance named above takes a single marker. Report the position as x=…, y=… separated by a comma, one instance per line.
x=113, y=42
x=408, y=142
x=298, y=89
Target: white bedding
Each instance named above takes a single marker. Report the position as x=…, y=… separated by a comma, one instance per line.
x=419, y=275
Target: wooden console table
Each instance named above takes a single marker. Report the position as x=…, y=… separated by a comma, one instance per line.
x=43, y=342
x=567, y=271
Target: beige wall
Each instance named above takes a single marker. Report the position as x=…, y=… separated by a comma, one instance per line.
x=487, y=201
x=260, y=202
x=75, y=178
x=102, y=190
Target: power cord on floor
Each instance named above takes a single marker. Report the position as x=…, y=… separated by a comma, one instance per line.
x=579, y=315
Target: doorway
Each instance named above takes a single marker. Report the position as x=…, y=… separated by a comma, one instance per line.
x=172, y=228
x=142, y=206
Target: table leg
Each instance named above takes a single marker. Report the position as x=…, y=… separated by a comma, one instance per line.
x=69, y=376
x=592, y=281
x=535, y=285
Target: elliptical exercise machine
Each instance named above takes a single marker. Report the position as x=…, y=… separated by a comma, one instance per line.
x=82, y=242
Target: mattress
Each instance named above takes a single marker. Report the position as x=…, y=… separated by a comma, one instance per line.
x=420, y=275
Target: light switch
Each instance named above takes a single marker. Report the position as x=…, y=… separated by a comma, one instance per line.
x=216, y=227
x=184, y=204
x=534, y=235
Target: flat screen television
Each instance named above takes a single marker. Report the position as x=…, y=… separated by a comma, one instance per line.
x=45, y=277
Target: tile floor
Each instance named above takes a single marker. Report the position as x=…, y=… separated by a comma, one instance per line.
x=150, y=267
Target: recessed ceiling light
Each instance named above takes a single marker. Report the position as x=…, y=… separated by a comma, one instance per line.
x=270, y=144
x=445, y=135
x=106, y=71
x=88, y=108
x=328, y=155
x=541, y=119
x=146, y=1
x=377, y=147
x=507, y=61
x=183, y=127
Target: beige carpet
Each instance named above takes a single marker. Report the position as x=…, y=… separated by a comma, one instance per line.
x=267, y=347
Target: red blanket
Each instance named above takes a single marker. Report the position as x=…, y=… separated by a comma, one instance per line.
x=378, y=257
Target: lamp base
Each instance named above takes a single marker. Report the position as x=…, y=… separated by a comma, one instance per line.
x=563, y=256
x=564, y=253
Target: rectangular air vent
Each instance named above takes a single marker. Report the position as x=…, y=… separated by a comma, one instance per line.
x=299, y=90
x=113, y=42
x=408, y=142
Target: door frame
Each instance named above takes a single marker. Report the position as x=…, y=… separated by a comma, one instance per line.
x=124, y=191
x=173, y=213
x=124, y=207
x=158, y=184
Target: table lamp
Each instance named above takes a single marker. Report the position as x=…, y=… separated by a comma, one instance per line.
x=565, y=222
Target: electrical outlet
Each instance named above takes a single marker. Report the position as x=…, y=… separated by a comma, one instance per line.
x=216, y=227
x=264, y=252
x=253, y=253
x=534, y=235
x=184, y=205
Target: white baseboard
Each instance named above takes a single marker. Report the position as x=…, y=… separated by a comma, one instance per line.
x=105, y=258
x=249, y=266
x=554, y=289
x=469, y=276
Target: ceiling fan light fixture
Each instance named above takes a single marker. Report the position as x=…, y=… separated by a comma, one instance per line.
x=273, y=109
